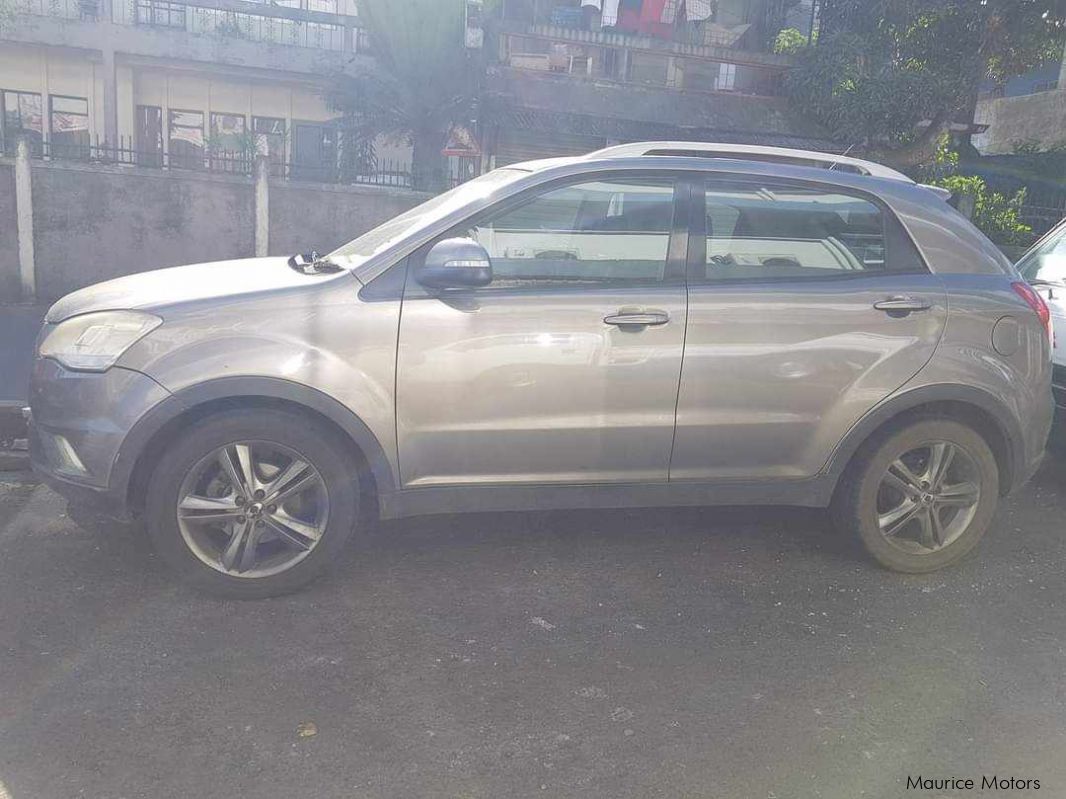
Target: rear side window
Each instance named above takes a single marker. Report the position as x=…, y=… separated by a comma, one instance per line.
x=760, y=231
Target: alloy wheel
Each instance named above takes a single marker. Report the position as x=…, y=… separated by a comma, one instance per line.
x=928, y=497
x=252, y=509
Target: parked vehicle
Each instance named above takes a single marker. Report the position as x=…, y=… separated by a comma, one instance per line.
x=1044, y=266
x=649, y=325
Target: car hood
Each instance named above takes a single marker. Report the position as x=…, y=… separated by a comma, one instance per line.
x=184, y=284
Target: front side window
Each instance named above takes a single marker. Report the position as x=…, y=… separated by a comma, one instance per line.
x=603, y=231
x=760, y=232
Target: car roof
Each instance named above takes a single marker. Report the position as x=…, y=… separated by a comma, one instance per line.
x=751, y=154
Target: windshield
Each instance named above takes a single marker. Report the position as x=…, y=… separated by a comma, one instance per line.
x=358, y=251
x=1046, y=262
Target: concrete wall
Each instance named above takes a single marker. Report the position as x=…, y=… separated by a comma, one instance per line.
x=95, y=222
x=9, y=255
x=305, y=217
x=1039, y=118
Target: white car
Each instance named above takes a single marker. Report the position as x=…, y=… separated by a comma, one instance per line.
x=1044, y=266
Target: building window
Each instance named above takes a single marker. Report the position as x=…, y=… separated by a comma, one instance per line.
x=328, y=6
x=21, y=113
x=314, y=152
x=272, y=131
x=160, y=13
x=227, y=133
x=648, y=68
x=149, y=136
x=186, y=130
x=69, y=120
x=230, y=149
x=727, y=78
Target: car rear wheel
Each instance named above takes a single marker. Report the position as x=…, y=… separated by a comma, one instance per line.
x=921, y=496
x=253, y=503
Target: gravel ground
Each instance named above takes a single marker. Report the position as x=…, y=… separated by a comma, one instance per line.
x=696, y=653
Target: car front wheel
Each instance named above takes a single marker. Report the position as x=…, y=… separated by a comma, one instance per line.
x=252, y=503
x=921, y=496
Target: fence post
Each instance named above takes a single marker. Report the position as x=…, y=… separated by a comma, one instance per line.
x=24, y=219
x=966, y=204
x=262, y=198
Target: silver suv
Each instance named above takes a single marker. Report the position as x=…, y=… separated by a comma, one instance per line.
x=649, y=325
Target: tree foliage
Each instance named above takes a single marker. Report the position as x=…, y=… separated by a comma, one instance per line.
x=882, y=67
x=997, y=215
x=790, y=41
x=422, y=79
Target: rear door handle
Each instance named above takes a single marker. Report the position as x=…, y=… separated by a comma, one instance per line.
x=628, y=318
x=903, y=305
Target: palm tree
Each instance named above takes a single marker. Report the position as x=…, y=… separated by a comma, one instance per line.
x=422, y=82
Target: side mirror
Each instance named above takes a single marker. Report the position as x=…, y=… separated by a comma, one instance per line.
x=455, y=263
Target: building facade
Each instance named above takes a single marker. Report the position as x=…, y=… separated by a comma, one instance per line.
x=202, y=83
x=569, y=76
x=178, y=83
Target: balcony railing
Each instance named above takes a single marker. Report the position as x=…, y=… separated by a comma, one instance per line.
x=239, y=19
x=64, y=9
x=555, y=20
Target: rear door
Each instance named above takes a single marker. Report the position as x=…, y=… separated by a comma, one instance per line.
x=807, y=306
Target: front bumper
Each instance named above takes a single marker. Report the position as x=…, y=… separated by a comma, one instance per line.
x=78, y=423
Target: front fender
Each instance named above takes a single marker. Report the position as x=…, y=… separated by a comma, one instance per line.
x=169, y=409
x=323, y=348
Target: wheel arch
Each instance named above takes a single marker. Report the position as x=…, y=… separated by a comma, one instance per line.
x=982, y=411
x=148, y=439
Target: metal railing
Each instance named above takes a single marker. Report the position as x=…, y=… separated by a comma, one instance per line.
x=249, y=26
x=560, y=19
x=64, y=9
x=1041, y=218
x=252, y=21
x=366, y=170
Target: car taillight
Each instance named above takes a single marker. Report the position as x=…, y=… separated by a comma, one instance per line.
x=1036, y=302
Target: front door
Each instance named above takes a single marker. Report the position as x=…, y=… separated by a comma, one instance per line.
x=565, y=368
x=807, y=307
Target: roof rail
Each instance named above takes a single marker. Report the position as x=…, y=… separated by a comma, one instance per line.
x=751, y=152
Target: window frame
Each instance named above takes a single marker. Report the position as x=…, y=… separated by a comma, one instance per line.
x=674, y=271
x=4, y=111
x=52, y=114
x=896, y=237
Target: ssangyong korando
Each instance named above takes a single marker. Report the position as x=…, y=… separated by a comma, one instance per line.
x=649, y=325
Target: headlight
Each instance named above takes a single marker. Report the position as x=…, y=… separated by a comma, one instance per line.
x=94, y=341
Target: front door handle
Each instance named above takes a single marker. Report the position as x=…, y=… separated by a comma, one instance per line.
x=637, y=318
x=903, y=305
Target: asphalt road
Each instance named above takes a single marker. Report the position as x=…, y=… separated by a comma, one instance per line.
x=691, y=653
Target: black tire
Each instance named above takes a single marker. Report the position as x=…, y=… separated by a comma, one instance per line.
x=855, y=508
x=314, y=444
